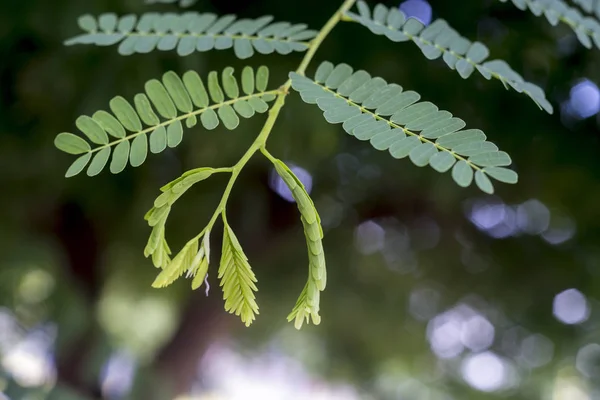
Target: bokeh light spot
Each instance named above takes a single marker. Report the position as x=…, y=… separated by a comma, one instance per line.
x=418, y=9
x=477, y=333
x=117, y=375
x=485, y=372
x=279, y=186
x=588, y=361
x=571, y=307
x=537, y=350
x=584, y=100
x=369, y=237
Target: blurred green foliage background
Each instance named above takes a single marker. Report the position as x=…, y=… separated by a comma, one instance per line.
x=434, y=292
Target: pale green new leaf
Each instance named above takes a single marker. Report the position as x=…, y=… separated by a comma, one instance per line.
x=157, y=217
x=307, y=306
x=237, y=279
x=191, y=260
x=191, y=32
x=395, y=120
x=199, y=266
x=440, y=40
x=178, y=266
x=154, y=121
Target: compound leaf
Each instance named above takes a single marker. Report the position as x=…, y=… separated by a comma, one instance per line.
x=440, y=40
x=391, y=118
x=159, y=112
x=191, y=32
x=589, y=6
x=587, y=29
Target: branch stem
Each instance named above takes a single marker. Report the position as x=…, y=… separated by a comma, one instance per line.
x=261, y=140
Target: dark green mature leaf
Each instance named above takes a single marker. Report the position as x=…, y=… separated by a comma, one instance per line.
x=182, y=3
x=390, y=118
x=440, y=40
x=191, y=32
x=589, y=6
x=162, y=108
x=587, y=29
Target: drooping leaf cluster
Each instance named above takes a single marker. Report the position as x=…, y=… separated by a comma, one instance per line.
x=440, y=40
x=307, y=306
x=155, y=120
x=190, y=32
x=236, y=276
x=390, y=117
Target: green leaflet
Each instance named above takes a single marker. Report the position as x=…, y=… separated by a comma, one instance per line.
x=92, y=129
x=157, y=246
x=589, y=6
x=483, y=182
x=462, y=173
x=125, y=114
x=191, y=32
x=120, y=157
x=440, y=40
x=71, y=144
x=155, y=120
x=587, y=29
x=99, y=161
x=502, y=174
x=237, y=279
x=173, y=190
x=182, y=3
x=307, y=305
x=391, y=118
x=78, y=165
x=110, y=124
